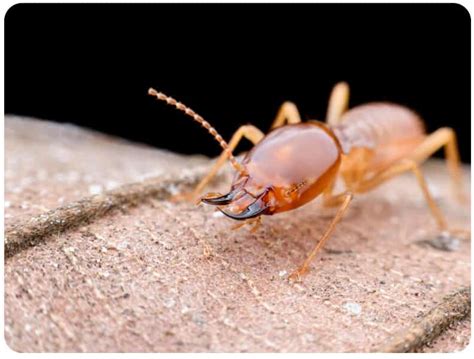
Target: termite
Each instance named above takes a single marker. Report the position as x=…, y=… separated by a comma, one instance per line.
x=298, y=161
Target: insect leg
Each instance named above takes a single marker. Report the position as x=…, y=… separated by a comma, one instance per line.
x=257, y=221
x=288, y=113
x=443, y=137
x=347, y=197
x=396, y=169
x=252, y=133
x=331, y=200
x=338, y=103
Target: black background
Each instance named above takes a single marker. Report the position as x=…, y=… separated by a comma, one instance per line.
x=234, y=64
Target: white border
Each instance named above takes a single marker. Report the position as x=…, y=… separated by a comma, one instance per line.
x=8, y=353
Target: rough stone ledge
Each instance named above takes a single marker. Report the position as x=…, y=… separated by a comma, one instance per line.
x=454, y=308
x=24, y=234
x=167, y=277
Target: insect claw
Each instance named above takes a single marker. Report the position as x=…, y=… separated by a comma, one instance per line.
x=297, y=274
x=221, y=200
x=253, y=210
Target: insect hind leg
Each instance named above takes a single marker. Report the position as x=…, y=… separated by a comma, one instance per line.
x=338, y=103
x=443, y=137
x=396, y=169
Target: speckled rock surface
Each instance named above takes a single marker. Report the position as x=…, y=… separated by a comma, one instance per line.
x=454, y=339
x=49, y=164
x=175, y=278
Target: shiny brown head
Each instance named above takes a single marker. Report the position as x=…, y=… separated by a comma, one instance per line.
x=290, y=166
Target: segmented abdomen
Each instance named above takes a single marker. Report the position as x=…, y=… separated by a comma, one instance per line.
x=376, y=125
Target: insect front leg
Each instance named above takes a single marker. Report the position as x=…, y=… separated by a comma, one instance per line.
x=252, y=133
x=255, y=222
x=346, y=200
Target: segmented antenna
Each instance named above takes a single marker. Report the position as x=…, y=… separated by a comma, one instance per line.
x=171, y=101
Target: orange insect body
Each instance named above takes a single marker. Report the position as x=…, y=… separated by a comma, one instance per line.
x=293, y=164
x=296, y=162
x=387, y=130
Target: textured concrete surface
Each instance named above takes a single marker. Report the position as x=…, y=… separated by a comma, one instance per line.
x=75, y=162
x=175, y=277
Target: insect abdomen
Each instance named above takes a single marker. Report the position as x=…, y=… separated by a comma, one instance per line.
x=376, y=125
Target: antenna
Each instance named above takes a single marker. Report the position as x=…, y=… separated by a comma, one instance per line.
x=171, y=101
